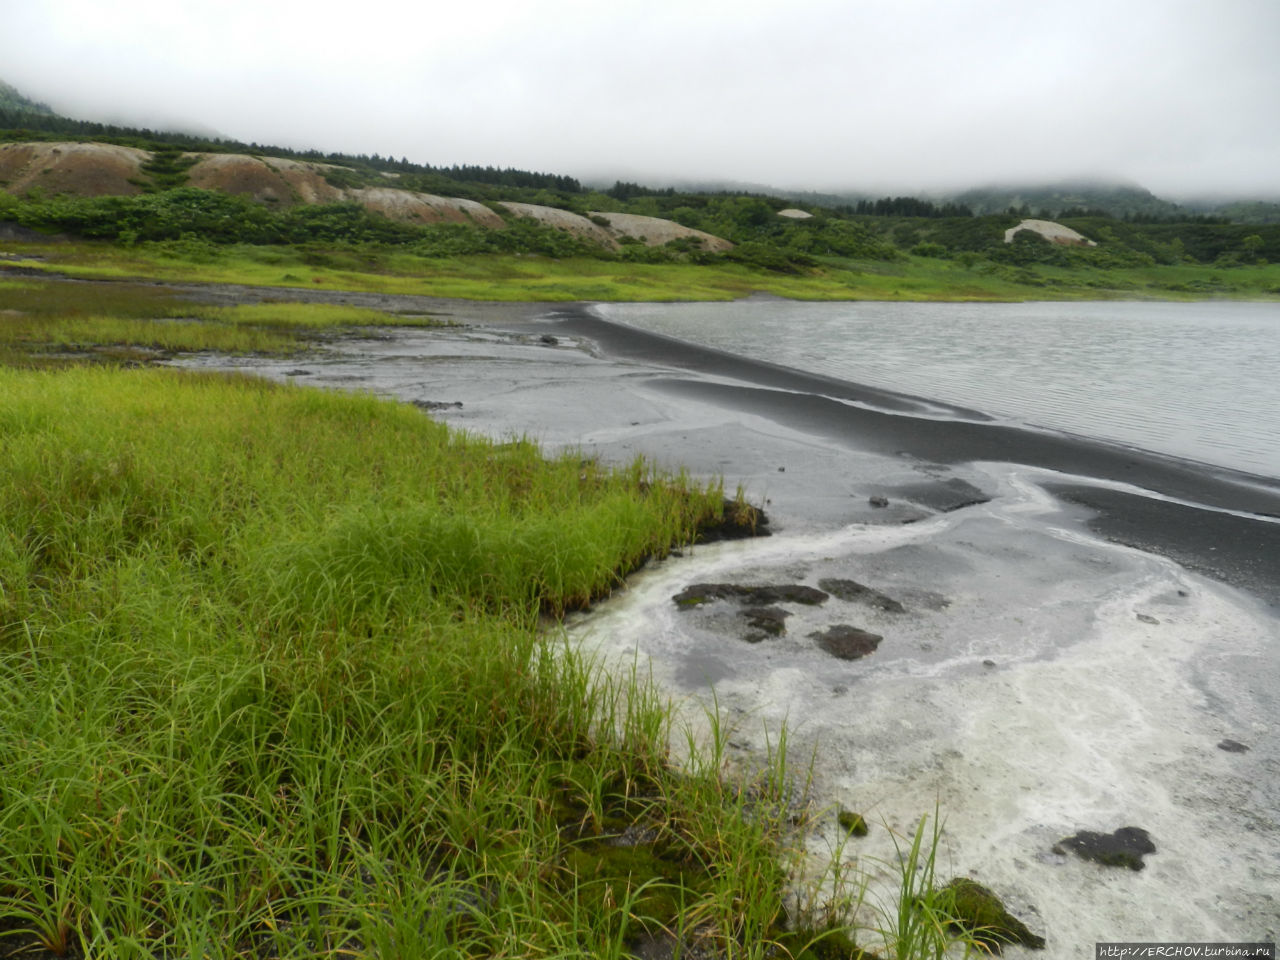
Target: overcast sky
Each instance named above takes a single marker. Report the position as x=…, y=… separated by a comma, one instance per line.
x=1180, y=96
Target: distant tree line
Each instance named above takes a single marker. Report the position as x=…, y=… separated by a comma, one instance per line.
x=906, y=207
x=19, y=124
x=622, y=190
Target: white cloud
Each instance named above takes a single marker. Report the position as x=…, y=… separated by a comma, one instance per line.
x=1177, y=94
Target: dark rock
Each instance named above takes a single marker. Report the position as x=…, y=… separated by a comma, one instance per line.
x=787, y=592
x=436, y=404
x=855, y=592
x=845, y=642
x=855, y=824
x=297, y=373
x=549, y=340
x=1232, y=746
x=763, y=595
x=988, y=663
x=1124, y=848
x=772, y=620
x=982, y=915
x=739, y=521
x=1147, y=618
x=879, y=502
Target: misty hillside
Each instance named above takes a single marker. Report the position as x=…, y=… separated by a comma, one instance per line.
x=11, y=100
x=1117, y=200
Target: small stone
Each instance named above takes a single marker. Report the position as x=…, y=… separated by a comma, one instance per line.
x=988, y=663
x=1147, y=618
x=1232, y=746
x=549, y=340
x=879, y=502
x=782, y=469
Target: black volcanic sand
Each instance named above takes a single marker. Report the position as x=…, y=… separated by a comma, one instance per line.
x=1241, y=550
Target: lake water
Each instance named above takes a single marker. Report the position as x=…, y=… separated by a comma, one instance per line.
x=1195, y=380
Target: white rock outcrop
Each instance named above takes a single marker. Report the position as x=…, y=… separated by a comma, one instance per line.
x=1053, y=232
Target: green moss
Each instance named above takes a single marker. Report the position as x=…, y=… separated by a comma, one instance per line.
x=659, y=885
x=983, y=917
x=831, y=943
x=853, y=823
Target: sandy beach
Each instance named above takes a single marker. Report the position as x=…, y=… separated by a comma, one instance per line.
x=1075, y=627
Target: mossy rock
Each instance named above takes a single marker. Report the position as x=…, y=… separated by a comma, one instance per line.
x=846, y=642
x=854, y=823
x=983, y=917
x=833, y=943
x=739, y=519
x=1124, y=848
x=758, y=595
x=771, y=621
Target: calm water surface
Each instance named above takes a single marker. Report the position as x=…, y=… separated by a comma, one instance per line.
x=1196, y=380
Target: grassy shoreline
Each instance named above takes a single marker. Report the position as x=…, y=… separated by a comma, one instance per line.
x=534, y=278
x=276, y=678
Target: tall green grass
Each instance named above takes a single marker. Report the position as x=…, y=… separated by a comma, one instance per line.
x=272, y=684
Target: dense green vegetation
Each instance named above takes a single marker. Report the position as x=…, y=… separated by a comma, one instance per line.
x=201, y=225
